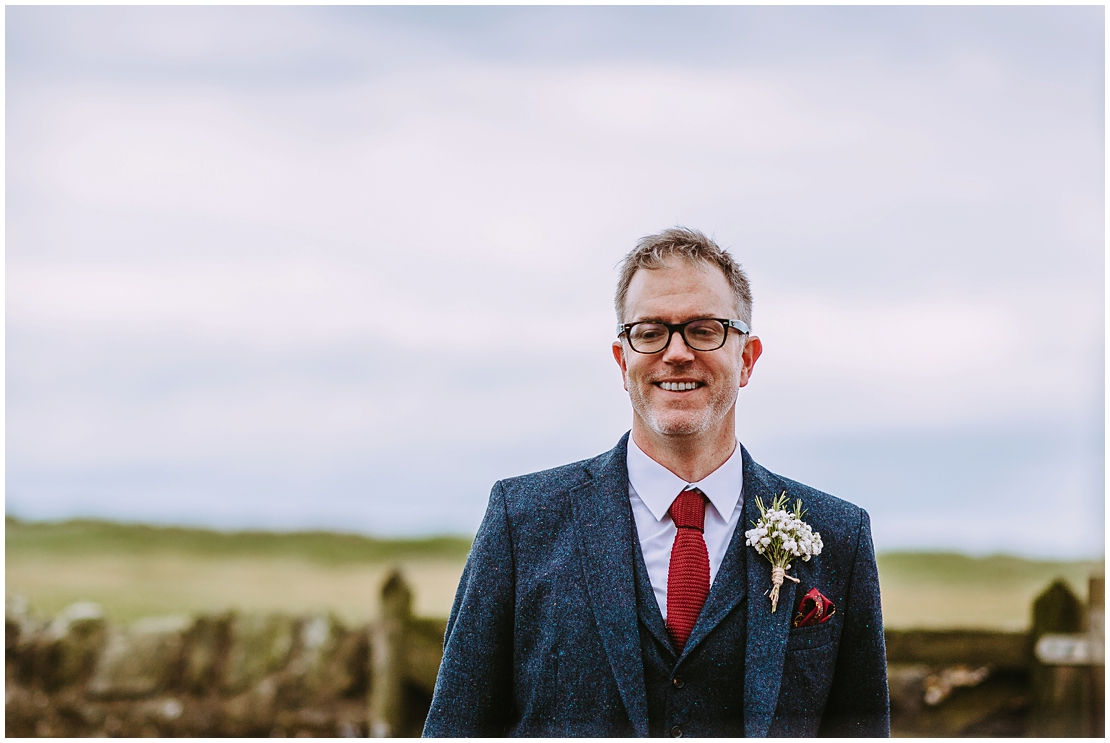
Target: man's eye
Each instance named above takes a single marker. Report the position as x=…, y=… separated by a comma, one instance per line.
x=648, y=334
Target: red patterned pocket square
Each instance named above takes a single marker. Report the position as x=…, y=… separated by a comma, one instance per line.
x=814, y=609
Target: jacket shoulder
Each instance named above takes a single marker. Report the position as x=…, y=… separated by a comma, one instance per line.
x=554, y=480
x=825, y=512
x=544, y=491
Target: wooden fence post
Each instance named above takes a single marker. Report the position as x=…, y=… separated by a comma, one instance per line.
x=1096, y=628
x=1059, y=688
x=388, y=659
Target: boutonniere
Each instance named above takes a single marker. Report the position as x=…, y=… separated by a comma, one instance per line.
x=780, y=535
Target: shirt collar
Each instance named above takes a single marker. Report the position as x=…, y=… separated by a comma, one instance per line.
x=657, y=486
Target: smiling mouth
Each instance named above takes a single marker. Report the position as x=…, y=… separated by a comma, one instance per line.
x=679, y=386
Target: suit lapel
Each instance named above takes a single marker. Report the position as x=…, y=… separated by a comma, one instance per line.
x=767, y=632
x=729, y=587
x=603, y=525
x=645, y=600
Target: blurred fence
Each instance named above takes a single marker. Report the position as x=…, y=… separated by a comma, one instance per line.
x=1047, y=682
x=242, y=675
x=222, y=675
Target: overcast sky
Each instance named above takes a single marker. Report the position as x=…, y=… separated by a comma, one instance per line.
x=346, y=267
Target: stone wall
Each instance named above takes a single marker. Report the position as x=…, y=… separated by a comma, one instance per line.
x=275, y=675
x=231, y=674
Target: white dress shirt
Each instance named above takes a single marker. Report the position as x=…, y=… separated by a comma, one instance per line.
x=652, y=489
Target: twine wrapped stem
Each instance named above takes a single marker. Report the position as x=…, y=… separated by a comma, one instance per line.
x=777, y=575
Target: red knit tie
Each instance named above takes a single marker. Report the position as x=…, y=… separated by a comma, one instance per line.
x=688, y=575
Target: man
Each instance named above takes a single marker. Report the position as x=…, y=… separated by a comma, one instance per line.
x=617, y=596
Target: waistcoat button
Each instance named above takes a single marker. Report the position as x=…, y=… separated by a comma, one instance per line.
x=676, y=732
x=678, y=683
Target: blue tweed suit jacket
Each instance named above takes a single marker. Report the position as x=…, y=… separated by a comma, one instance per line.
x=544, y=638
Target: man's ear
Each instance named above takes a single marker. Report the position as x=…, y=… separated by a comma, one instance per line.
x=752, y=350
x=618, y=356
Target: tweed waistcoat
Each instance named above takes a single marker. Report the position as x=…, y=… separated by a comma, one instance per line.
x=700, y=693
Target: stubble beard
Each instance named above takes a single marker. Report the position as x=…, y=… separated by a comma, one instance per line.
x=666, y=421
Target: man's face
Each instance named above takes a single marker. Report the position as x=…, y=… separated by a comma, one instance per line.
x=675, y=294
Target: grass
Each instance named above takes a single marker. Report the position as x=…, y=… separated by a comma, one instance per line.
x=994, y=570
x=135, y=570
x=931, y=590
x=83, y=537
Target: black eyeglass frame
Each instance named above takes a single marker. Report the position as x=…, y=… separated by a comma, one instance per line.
x=625, y=329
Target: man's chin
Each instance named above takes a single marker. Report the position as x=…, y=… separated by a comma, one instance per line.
x=678, y=425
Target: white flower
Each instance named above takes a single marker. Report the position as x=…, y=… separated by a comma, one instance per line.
x=778, y=530
x=780, y=534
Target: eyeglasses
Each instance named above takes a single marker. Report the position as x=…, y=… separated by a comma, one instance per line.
x=703, y=334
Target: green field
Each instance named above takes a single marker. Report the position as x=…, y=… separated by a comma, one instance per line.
x=136, y=571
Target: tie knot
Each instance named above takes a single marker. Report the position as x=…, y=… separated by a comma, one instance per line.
x=688, y=510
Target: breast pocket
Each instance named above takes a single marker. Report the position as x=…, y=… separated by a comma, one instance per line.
x=811, y=638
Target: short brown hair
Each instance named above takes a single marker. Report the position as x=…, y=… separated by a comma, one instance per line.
x=652, y=251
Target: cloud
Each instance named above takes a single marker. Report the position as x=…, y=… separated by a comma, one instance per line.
x=263, y=260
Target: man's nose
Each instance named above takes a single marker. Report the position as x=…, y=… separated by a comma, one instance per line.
x=677, y=351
